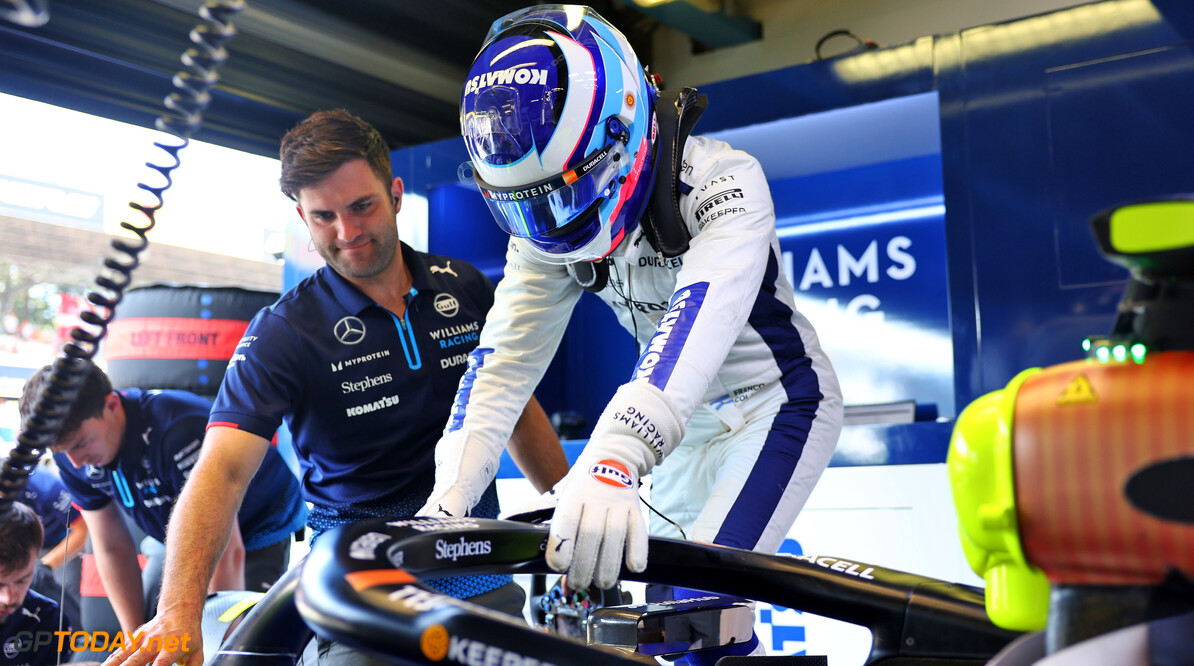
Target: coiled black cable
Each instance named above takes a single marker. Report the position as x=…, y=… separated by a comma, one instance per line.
x=183, y=117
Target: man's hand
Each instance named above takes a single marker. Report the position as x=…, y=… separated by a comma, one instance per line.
x=182, y=635
x=464, y=468
x=596, y=523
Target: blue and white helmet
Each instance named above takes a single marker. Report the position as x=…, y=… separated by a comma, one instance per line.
x=558, y=117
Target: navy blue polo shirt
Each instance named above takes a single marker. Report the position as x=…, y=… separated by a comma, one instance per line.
x=50, y=500
x=27, y=636
x=365, y=394
x=162, y=437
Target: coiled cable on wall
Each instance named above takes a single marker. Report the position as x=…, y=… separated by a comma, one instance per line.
x=183, y=118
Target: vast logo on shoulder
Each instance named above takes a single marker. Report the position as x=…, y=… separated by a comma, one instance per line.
x=349, y=330
x=611, y=473
x=447, y=305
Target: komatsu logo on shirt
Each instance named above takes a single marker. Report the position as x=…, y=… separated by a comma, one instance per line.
x=388, y=401
x=474, y=653
x=451, y=550
x=519, y=75
x=337, y=366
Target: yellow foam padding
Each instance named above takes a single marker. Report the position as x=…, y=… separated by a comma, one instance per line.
x=981, y=475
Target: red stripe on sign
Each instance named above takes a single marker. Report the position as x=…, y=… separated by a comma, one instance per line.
x=172, y=338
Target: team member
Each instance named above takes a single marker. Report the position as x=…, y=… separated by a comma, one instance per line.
x=731, y=393
x=362, y=360
x=132, y=451
x=65, y=532
x=28, y=620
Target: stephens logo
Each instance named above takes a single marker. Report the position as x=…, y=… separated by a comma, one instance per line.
x=451, y=550
x=612, y=473
x=366, y=383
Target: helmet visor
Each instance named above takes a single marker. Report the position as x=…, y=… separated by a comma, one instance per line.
x=543, y=211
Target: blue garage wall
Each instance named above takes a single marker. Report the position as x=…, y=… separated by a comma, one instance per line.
x=1041, y=122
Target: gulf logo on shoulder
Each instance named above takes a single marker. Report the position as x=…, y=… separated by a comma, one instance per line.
x=612, y=473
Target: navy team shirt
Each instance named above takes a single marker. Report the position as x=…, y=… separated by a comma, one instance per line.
x=162, y=437
x=50, y=500
x=27, y=636
x=365, y=394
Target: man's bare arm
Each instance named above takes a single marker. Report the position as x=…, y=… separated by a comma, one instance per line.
x=195, y=539
x=536, y=449
x=116, y=562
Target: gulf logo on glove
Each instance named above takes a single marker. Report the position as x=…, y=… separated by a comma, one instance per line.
x=612, y=473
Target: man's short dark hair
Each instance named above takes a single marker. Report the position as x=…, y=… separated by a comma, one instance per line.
x=89, y=404
x=21, y=536
x=323, y=142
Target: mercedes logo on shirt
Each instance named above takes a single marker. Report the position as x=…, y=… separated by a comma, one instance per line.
x=349, y=330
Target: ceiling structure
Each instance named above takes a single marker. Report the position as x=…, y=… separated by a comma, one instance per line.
x=399, y=64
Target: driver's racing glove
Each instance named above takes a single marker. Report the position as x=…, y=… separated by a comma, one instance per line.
x=464, y=468
x=597, y=519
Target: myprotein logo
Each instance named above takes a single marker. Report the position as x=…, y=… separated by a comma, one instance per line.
x=519, y=75
x=611, y=473
x=366, y=383
x=349, y=330
x=337, y=366
x=452, y=550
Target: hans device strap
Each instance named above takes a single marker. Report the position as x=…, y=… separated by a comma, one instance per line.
x=677, y=112
x=590, y=275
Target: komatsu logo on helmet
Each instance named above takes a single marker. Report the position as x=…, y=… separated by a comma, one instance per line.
x=519, y=75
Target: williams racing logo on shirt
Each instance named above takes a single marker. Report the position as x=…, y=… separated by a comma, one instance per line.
x=611, y=473
x=659, y=359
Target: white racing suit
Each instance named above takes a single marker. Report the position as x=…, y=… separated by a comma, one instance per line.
x=733, y=356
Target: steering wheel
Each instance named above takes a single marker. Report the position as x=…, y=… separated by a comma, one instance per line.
x=360, y=585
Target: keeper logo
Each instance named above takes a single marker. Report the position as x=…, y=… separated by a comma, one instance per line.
x=611, y=473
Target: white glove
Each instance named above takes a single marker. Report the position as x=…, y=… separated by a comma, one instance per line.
x=598, y=523
x=464, y=468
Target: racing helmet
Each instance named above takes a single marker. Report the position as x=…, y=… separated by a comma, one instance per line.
x=558, y=118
